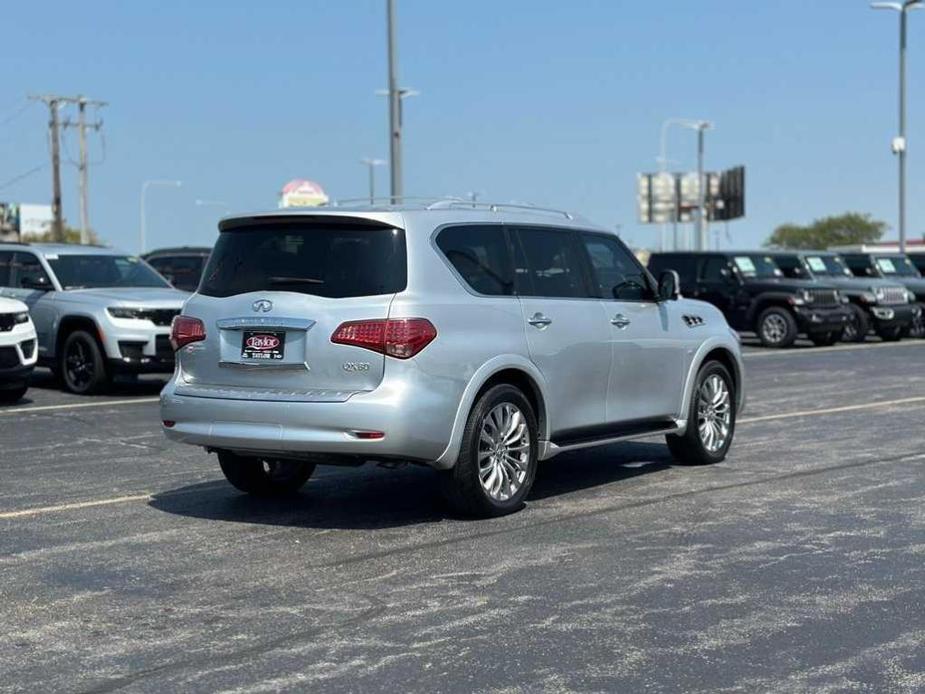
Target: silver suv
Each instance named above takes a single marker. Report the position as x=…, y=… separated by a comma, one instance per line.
x=475, y=339
x=97, y=311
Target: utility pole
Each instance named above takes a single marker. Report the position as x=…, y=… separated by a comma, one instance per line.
x=53, y=102
x=83, y=165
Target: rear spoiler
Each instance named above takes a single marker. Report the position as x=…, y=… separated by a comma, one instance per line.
x=376, y=221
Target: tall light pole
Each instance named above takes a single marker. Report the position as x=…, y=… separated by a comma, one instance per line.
x=396, y=95
x=144, y=192
x=701, y=126
x=371, y=165
x=899, y=143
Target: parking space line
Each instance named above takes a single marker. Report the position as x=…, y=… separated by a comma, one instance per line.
x=75, y=405
x=831, y=410
x=804, y=351
x=72, y=507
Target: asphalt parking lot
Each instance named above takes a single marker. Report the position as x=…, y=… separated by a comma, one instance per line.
x=128, y=563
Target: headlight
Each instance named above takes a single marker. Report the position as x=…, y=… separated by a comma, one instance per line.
x=21, y=317
x=868, y=298
x=910, y=296
x=879, y=294
x=122, y=312
x=807, y=296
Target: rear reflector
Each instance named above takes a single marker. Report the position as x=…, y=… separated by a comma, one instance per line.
x=369, y=435
x=186, y=329
x=401, y=338
x=169, y=423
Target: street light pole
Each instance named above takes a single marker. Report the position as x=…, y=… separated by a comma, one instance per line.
x=899, y=144
x=144, y=192
x=700, y=126
x=371, y=165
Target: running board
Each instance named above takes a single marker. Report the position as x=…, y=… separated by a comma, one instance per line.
x=613, y=434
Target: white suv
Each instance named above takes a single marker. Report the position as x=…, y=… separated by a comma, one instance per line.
x=475, y=339
x=18, y=351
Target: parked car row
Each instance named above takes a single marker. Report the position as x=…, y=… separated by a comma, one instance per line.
x=780, y=295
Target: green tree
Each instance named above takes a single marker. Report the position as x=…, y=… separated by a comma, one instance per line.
x=849, y=229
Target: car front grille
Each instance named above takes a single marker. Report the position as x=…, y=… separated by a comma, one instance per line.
x=159, y=316
x=8, y=357
x=824, y=297
x=7, y=321
x=893, y=295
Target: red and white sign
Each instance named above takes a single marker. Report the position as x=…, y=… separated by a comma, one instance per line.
x=262, y=342
x=302, y=193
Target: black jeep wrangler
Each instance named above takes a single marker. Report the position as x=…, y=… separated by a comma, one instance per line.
x=754, y=295
x=895, y=267
x=882, y=305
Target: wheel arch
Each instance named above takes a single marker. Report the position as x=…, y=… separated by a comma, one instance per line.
x=69, y=324
x=514, y=370
x=726, y=354
x=766, y=301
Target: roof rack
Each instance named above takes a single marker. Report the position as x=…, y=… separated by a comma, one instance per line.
x=445, y=202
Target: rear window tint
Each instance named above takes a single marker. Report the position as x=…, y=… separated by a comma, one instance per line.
x=336, y=261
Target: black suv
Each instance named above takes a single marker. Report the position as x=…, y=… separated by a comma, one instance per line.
x=181, y=266
x=754, y=295
x=896, y=267
x=878, y=304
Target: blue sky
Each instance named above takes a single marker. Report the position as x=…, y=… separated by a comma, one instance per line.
x=549, y=102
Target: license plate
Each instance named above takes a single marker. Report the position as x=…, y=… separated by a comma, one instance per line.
x=263, y=345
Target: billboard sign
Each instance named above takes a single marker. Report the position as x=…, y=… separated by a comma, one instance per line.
x=664, y=198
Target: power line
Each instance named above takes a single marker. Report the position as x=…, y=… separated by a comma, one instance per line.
x=16, y=113
x=23, y=175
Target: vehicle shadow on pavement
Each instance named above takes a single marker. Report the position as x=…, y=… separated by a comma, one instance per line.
x=372, y=498
x=44, y=379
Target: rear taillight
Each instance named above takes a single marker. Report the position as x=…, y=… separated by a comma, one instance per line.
x=185, y=329
x=401, y=338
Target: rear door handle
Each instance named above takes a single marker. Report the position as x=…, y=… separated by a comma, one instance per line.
x=539, y=321
x=620, y=320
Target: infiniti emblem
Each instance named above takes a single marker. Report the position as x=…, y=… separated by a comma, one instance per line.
x=262, y=305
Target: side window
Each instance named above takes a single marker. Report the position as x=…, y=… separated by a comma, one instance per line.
x=553, y=262
x=480, y=255
x=617, y=275
x=712, y=270
x=791, y=266
x=28, y=271
x=6, y=268
x=857, y=264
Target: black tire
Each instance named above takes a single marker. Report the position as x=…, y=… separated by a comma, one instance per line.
x=894, y=334
x=689, y=448
x=83, y=370
x=462, y=485
x=777, y=327
x=8, y=396
x=917, y=328
x=826, y=339
x=265, y=476
x=858, y=324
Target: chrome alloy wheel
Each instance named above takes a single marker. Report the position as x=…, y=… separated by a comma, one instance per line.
x=504, y=451
x=774, y=328
x=714, y=413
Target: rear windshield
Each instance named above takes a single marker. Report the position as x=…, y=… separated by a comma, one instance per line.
x=333, y=261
